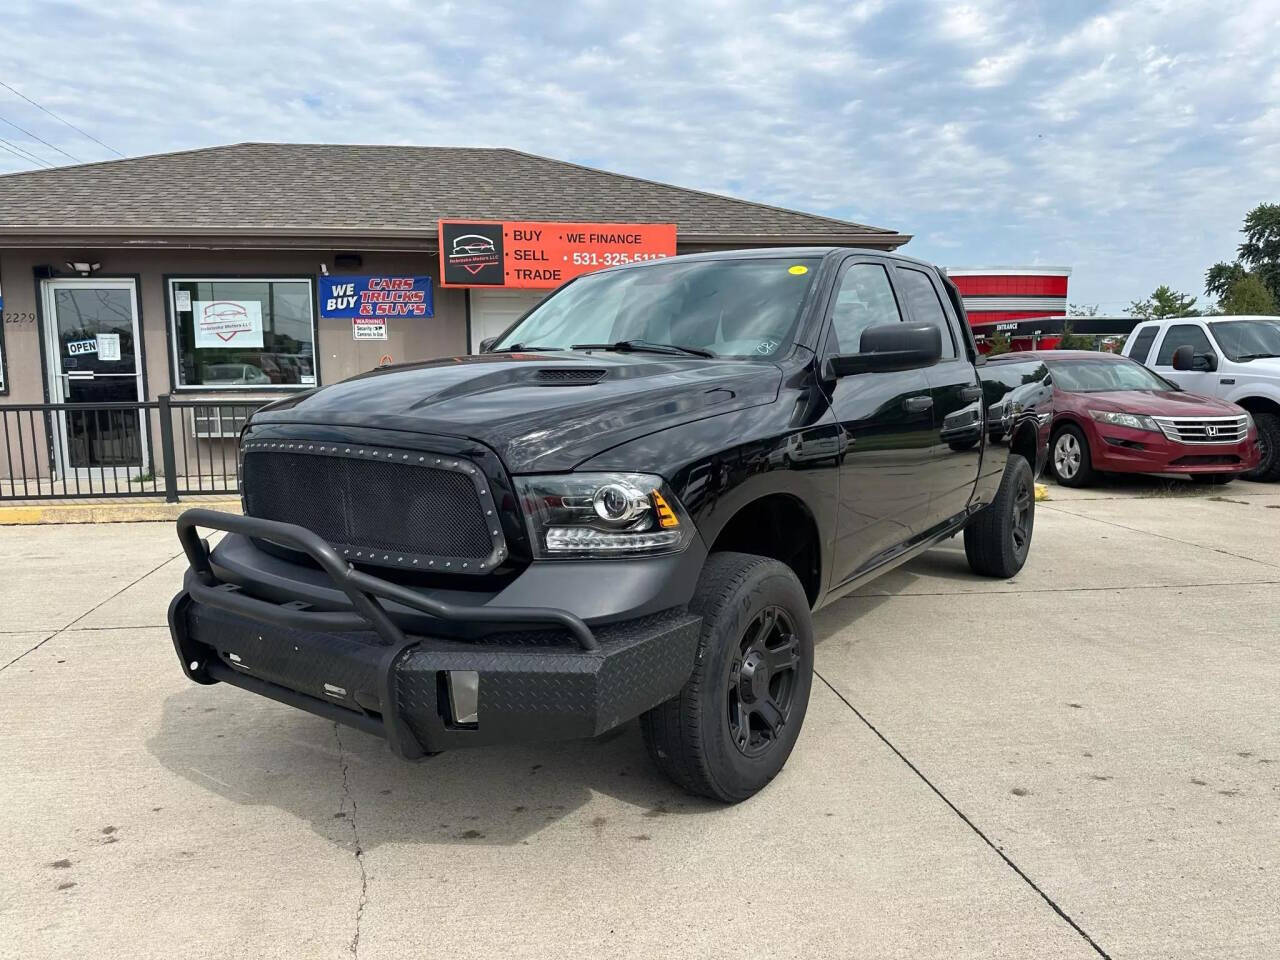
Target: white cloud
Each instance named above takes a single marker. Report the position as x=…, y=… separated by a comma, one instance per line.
x=1128, y=142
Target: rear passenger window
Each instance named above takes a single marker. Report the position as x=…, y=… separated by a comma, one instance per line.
x=863, y=300
x=1142, y=344
x=1179, y=335
x=922, y=300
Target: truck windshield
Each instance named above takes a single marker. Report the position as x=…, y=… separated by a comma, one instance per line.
x=1102, y=376
x=1247, y=339
x=731, y=308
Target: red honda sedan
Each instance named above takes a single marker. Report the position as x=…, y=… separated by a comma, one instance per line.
x=1111, y=414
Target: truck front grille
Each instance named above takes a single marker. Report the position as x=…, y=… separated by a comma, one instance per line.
x=378, y=505
x=1204, y=429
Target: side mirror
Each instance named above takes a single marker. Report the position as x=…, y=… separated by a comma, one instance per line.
x=487, y=344
x=1185, y=358
x=892, y=346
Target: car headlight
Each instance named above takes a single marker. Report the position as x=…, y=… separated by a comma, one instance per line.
x=602, y=515
x=1135, y=421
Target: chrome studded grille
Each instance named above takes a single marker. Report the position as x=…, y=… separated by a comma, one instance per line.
x=1204, y=429
x=378, y=505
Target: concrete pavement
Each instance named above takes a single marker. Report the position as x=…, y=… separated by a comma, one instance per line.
x=1081, y=762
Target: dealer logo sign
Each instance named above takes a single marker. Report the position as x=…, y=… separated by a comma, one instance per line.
x=472, y=253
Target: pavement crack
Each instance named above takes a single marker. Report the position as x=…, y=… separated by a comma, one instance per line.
x=347, y=798
x=96, y=606
x=968, y=822
x=1162, y=536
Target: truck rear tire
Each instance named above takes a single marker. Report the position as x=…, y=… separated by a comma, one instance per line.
x=1268, y=468
x=732, y=727
x=998, y=539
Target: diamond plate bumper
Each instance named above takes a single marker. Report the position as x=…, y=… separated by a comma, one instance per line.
x=540, y=677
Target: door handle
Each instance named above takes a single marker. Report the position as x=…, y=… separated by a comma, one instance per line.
x=971, y=393
x=917, y=404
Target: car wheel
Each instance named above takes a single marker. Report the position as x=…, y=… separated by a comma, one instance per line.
x=1268, y=467
x=1069, y=458
x=998, y=538
x=732, y=727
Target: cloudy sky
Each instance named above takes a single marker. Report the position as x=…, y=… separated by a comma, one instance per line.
x=1125, y=140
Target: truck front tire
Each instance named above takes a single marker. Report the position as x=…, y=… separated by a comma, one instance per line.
x=998, y=539
x=732, y=727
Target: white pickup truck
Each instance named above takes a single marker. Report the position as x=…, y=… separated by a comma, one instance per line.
x=1233, y=358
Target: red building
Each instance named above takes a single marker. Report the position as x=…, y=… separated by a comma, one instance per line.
x=996, y=298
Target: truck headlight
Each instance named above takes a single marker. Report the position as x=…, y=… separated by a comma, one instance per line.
x=602, y=515
x=1134, y=421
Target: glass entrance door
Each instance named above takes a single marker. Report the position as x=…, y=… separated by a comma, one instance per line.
x=94, y=350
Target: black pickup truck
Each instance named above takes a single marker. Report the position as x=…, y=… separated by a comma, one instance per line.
x=627, y=506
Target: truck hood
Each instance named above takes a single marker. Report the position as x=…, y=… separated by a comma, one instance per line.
x=1157, y=403
x=539, y=412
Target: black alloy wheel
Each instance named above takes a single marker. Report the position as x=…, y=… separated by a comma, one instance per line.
x=1024, y=504
x=762, y=682
x=731, y=728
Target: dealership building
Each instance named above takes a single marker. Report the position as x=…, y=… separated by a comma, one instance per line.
x=127, y=249
x=245, y=272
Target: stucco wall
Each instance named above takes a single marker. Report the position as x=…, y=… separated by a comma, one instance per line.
x=338, y=356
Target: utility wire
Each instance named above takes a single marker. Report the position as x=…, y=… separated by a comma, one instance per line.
x=60, y=120
x=4, y=145
x=26, y=153
x=34, y=137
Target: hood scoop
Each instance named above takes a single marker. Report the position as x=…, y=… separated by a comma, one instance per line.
x=569, y=376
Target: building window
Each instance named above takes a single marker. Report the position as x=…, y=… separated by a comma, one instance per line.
x=925, y=306
x=243, y=334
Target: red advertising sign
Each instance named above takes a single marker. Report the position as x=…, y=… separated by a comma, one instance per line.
x=490, y=253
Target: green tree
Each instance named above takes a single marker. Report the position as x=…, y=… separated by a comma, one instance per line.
x=1219, y=278
x=1071, y=340
x=1249, y=295
x=1260, y=252
x=998, y=343
x=1082, y=310
x=1164, y=302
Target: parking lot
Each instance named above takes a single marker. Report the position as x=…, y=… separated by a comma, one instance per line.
x=1083, y=761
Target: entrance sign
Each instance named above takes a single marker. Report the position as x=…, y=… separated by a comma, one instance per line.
x=542, y=254
x=375, y=296
x=228, y=323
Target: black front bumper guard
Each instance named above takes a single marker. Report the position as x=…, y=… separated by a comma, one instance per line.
x=642, y=665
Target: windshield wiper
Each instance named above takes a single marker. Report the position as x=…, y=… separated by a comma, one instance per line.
x=646, y=346
x=520, y=346
x=1256, y=356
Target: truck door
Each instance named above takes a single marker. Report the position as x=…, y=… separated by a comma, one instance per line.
x=888, y=428
x=955, y=451
x=1204, y=382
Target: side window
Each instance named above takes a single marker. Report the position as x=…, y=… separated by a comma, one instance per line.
x=864, y=299
x=1179, y=335
x=1141, y=346
x=922, y=300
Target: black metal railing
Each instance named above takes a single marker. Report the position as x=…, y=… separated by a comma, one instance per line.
x=167, y=447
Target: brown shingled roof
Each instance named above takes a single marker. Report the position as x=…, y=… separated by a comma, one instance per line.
x=335, y=190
